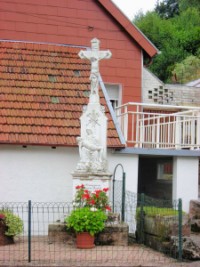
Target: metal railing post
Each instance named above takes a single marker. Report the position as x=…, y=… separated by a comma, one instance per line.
x=180, y=245
x=123, y=195
x=113, y=195
x=29, y=231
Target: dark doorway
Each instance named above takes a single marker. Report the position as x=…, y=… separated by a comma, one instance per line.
x=155, y=177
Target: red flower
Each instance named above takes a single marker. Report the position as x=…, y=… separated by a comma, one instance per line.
x=80, y=186
x=86, y=191
x=105, y=189
x=97, y=192
x=85, y=196
x=92, y=202
x=108, y=208
x=2, y=216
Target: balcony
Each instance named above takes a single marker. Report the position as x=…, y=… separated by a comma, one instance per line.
x=160, y=126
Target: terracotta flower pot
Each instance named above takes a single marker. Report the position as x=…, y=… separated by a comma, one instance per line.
x=84, y=240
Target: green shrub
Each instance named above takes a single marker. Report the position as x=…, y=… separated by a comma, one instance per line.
x=86, y=219
x=13, y=222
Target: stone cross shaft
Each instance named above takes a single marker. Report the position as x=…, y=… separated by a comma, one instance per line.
x=94, y=55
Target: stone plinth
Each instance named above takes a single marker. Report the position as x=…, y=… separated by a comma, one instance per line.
x=165, y=226
x=91, y=181
x=57, y=233
x=113, y=234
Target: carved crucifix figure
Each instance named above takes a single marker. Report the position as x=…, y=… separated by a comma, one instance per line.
x=94, y=56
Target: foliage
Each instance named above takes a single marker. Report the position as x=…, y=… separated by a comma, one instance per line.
x=185, y=4
x=187, y=70
x=13, y=222
x=176, y=37
x=97, y=199
x=167, y=8
x=86, y=220
x=152, y=211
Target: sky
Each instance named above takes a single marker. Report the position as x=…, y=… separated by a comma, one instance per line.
x=131, y=7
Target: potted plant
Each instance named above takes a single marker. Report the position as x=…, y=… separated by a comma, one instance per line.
x=10, y=226
x=86, y=222
x=89, y=215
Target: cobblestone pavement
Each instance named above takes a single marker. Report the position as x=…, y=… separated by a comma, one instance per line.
x=61, y=254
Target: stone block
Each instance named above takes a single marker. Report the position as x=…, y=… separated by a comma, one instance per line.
x=195, y=215
x=191, y=250
x=113, y=234
x=57, y=233
x=166, y=226
x=194, y=210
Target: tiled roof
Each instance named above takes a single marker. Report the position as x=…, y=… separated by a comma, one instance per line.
x=42, y=92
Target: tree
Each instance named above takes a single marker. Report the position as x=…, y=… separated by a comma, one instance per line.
x=167, y=8
x=187, y=70
x=177, y=38
x=185, y=4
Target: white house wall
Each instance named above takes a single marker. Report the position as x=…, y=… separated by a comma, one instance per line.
x=36, y=173
x=185, y=179
x=43, y=174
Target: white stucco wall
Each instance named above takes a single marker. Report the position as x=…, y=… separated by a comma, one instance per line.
x=36, y=173
x=130, y=165
x=185, y=179
x=43, y=174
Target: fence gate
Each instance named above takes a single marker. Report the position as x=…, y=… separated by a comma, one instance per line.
x=118, y=190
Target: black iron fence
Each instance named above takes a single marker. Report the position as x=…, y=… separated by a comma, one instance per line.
x=45, y=239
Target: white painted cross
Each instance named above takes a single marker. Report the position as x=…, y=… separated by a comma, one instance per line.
x=94, y=56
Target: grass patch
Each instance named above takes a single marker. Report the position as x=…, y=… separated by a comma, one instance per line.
x=152, y=211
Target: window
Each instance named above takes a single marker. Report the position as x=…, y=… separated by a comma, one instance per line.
x=114, y=93
x=165, y=170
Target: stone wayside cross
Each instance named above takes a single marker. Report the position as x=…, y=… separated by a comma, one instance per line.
x=95, y=55
x=93, y=140
x=92, y=168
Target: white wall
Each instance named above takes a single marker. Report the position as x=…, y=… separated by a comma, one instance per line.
x=43, y=174
x=36, y=173
x=130, y=165
x=185, y=179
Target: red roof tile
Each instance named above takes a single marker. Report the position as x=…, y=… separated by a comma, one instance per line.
x=41, y=96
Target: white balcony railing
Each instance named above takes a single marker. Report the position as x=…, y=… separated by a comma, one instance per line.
x=160, y=126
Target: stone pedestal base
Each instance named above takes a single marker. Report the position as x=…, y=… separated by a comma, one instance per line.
x=91, y=181
x=113, y=234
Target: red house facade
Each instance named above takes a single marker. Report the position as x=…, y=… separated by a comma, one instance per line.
x=76, y=23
